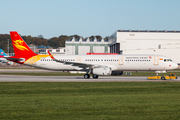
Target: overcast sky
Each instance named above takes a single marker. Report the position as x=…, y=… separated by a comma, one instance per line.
x=52, y=18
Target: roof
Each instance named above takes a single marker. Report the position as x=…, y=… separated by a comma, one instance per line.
x=166, y=31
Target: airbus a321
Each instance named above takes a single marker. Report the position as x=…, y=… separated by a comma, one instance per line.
x=91, y=64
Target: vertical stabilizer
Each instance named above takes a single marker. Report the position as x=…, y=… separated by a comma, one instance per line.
x=21, y=49
x=2, y=53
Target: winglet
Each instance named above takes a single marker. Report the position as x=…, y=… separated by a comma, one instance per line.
x=51, y=55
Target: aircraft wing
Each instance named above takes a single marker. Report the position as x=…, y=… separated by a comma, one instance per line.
x=82, y=65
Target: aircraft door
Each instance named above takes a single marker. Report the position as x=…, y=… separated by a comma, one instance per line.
x=78, y=59
x=121, y=60
x=156, y=60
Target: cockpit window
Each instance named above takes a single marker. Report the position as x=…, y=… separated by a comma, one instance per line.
x=167, y=60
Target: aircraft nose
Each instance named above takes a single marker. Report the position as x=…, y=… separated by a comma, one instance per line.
x=175, y=66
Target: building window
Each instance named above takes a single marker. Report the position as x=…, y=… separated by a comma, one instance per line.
x=57, y=50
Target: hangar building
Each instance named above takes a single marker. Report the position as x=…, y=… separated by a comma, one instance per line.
x=81, y=47
x=158, y=42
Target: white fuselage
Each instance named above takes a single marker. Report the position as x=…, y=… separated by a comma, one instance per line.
x=115, y=62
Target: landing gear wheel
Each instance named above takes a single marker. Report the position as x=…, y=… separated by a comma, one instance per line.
x=86, y=76
x=95, y=76
x=163, y=78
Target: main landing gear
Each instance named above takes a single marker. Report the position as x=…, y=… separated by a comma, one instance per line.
x=87, y=76
x=95, y=76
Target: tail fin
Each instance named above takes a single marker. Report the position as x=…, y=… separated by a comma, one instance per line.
x=2, y=53
x=21, y=49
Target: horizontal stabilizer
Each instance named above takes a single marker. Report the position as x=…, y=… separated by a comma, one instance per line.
x=15, y=59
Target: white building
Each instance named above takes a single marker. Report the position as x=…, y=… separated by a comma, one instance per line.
x=80, y=47
x=165, y=43
x=61, y=50
x=53, y=51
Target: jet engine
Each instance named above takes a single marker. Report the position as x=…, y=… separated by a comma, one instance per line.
x=101, y=71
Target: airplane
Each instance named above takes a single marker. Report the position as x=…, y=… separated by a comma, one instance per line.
x=97, y=65
x=2, y=54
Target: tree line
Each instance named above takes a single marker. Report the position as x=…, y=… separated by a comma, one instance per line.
x=54, y=42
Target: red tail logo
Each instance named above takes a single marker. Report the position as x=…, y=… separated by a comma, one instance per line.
x=21, y=49
x=19, y=45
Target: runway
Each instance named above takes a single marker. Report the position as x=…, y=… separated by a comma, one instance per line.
x=27, y=78
x=24, y=78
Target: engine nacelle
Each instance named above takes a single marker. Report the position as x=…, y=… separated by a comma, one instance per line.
x=102, y=71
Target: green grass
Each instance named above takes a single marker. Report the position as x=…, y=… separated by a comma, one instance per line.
x=90, y=101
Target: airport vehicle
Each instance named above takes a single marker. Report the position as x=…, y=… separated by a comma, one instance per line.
x=91, y=64
x=164, y=77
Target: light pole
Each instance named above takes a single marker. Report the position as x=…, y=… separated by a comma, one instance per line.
x=8, y=47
